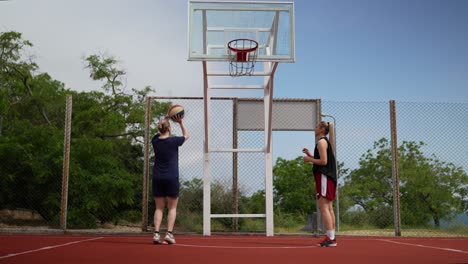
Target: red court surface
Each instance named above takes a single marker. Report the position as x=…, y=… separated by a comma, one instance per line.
x=21, y=248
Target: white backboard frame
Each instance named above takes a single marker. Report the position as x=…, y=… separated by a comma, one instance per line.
x=199, y=27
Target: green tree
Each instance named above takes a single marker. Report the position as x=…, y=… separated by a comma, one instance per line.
x=107, y=131
x=19, y=85
x=370, y=186
x=256, y=203
x=191, y=195
x=31, y=131
x=294, y=191
x=190, y=206
x=294, y=188
x=430, y=189
x=107, y=154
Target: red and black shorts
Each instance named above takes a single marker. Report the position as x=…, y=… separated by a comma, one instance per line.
x=324, y=186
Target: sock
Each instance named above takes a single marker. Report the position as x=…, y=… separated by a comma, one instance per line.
x=156, y=232
x=331, y=234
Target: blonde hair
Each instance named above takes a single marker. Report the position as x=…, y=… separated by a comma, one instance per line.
x=164, y=125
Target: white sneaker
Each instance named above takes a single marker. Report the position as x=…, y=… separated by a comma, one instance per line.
x=157, y=238
x=170, y=238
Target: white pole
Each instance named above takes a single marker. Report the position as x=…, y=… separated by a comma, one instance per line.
x=206, y=159
x=268, y=105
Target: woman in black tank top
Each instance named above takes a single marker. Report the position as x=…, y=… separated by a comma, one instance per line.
x=324, y=168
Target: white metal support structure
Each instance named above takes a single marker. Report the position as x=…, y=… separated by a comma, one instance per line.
x=269, y=71
x=212, y=24
x=268, y=103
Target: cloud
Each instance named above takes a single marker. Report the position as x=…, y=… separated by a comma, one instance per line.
x=149, y=38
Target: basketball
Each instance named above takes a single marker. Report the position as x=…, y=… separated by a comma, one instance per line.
x=176, y=112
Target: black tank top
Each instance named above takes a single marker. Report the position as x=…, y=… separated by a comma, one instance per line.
x=330, y=168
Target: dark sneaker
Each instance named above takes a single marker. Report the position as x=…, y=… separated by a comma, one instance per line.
x=327, y=242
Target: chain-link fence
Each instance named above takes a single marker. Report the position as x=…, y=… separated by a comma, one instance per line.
x=433, y=181
x=433, y=177
x=31, y=151
x=231, y=185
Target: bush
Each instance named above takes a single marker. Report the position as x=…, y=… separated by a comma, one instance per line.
x=355, y=218
x=80, y=219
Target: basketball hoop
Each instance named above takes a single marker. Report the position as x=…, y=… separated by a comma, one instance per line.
x=242, y=56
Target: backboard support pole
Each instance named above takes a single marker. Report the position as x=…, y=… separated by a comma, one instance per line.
x=240, y=33
x=206, y=158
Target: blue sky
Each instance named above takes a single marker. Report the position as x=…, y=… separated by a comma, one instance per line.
x=368, y=50
x=360, y=50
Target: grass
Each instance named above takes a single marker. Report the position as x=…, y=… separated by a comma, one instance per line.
x=284, y=224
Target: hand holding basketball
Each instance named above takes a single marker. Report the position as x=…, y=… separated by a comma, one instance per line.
x=176, y=113
x=178, y=119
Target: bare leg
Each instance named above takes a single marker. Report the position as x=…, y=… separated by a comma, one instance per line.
x=158, y=213
x=332, y=214
x=171, y=215
x=327, y=214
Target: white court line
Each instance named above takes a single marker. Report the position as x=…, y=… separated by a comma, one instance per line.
x=417, y=245
x=238, y=247
x=49, y=247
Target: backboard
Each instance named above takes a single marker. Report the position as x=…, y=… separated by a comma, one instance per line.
x=212, y=24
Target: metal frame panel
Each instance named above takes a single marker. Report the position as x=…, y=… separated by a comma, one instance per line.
x=194, y=6
x=302, y=114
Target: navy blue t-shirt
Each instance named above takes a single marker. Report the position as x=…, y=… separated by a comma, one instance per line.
x=166, y=152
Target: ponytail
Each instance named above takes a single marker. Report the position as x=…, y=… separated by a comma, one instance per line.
x=331, y=136
x=164, y=125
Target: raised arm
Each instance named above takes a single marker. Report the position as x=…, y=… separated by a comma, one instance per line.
x=184, y=129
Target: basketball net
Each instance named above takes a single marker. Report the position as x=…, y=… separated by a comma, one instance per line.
x=242, y=55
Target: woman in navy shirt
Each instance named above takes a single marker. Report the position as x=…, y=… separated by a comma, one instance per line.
x=166, y=176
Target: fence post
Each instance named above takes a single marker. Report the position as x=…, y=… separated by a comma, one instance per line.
x=396, y=181
x=144, y=205
x=66, y=164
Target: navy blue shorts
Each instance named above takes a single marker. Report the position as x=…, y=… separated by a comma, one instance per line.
x=166, y=188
